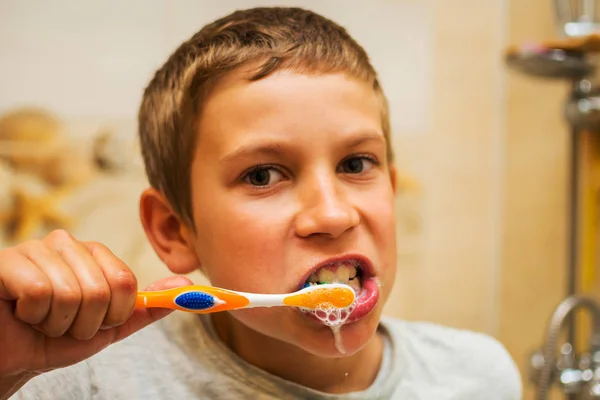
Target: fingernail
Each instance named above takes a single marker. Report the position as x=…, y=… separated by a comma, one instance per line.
x=105, y=327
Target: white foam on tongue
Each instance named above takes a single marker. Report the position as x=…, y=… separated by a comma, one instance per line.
x=334, y=318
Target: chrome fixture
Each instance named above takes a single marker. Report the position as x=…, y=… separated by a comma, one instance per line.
x=577, y=17
x=577, y=375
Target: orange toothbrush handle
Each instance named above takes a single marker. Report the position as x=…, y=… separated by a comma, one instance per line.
x=196, y=299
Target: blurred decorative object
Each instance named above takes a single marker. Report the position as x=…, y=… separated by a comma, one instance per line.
x=44, y=169
x=82, y=175
x=35, y=207
x=32, y=141
x=578, y=23
x=111, y=153
x=549, y=62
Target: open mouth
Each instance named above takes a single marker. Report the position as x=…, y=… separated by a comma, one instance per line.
x=346, y=272
x=356, y=272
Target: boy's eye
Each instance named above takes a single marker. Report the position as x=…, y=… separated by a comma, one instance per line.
x=263, y=176
x=356, y=165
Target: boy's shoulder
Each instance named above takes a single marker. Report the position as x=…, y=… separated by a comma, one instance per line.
x=447, y=353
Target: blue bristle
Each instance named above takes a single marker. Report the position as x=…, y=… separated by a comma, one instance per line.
x=306, y=285
x=195, y=300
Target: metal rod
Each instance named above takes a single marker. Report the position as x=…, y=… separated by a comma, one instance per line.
x=573, y=227
x=573, y=257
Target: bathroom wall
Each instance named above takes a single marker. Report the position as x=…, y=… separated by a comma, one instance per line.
x=493, y=168
x=458, y=162
x=481, y=235
x=534, y=251
x=89, y=63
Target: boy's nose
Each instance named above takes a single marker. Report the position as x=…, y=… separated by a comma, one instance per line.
x=325, y=211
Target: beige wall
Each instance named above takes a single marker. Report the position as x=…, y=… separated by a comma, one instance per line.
x=452, y=277
x=489, y=239
x=534, y=250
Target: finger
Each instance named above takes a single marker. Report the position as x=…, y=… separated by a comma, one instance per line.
x=66, y=294
x=23, y=281
x=95, y=290
x=122, y=283
x=144, y=317
x=66, y=348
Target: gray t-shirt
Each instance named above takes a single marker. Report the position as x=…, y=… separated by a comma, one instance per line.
x=181, y=357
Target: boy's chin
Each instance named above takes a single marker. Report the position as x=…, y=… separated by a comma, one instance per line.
x=310, y=335
x=351, y=338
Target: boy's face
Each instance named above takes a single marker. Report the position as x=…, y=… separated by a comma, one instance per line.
x=290, y=183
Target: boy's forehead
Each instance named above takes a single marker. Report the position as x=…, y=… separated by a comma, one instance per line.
x=286, y=112
x=289, y=101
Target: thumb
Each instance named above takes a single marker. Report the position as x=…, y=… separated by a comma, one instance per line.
x=140, y=318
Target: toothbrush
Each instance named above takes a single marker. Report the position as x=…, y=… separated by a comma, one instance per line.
x=209, y=299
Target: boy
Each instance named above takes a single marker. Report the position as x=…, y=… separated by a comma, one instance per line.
x=266, y=142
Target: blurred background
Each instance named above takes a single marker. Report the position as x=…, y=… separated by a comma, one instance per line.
x=486, y=231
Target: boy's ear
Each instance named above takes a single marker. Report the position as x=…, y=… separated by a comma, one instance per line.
x=170, y=238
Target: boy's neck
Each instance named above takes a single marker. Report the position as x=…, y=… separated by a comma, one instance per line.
x=329, y=375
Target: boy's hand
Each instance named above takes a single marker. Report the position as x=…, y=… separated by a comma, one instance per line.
x=62, y=301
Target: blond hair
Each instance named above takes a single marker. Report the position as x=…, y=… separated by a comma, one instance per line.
x=266, y=39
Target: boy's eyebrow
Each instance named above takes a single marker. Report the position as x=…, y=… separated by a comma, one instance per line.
x=367, y=137
x=266, y=148
x=277, y=148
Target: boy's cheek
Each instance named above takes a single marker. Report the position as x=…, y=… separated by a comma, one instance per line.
x=241, y=282
x=249, y=279
x=250, y=315
x=268, y=321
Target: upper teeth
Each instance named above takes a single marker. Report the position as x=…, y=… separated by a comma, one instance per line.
x=326, y=275
x=341, y=273
x=344, y=273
